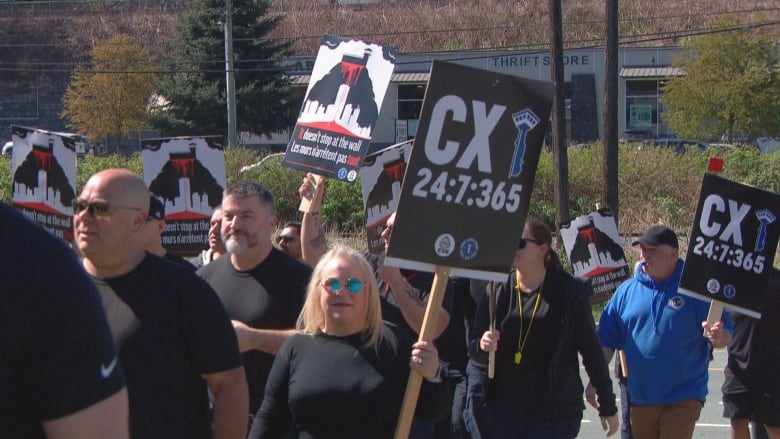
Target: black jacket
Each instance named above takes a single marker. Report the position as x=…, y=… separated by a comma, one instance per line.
x=577, y=335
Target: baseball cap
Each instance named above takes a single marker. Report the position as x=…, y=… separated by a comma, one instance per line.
x=657, y=235
x=156, y=209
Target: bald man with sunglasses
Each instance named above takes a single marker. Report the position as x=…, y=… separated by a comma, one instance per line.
x=174, y=338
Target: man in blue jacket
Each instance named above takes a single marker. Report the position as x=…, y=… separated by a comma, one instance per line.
x=660, y=331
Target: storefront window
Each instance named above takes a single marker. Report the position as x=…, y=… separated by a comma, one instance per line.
x=643, y=108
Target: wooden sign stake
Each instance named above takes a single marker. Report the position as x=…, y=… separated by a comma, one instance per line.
x=716, y=310
x=427, y=331
x=492, y=307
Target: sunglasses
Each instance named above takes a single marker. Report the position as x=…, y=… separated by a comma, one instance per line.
x=334, y=285
x=97, y=208
x=285, y=238
x=523, y=241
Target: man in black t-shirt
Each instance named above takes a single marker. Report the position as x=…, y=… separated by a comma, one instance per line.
x=155, y=225
x=261, y=288
x=751, y=389
x=58, y=372
x=175, y=341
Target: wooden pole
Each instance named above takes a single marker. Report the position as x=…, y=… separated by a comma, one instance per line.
x=716, y=310
x=427, y=331
x=610, y=182
x=560, y=154
x=623, y=365
x=492, y=307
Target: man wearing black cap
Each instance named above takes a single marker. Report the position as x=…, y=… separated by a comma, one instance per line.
x=660, y=331
x=155, y=224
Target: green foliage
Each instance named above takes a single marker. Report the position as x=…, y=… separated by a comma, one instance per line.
x=6, y=190
x=110, y=98
x=343, y=205
x=196, y=91
x=282, y=182
x=731, y=85
x=90, y=165
x=656, y=184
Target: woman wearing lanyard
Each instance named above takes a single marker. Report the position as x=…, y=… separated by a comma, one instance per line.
x=542, y=322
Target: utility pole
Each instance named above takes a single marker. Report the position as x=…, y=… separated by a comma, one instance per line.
x=610, y=188
x=229, y=81
x=560, y=155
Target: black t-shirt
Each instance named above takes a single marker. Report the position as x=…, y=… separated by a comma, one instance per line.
x=754, y=350
x=176, y=259
x=170, y=328
x=324, y=386
x=269, y=296
x=55, y=345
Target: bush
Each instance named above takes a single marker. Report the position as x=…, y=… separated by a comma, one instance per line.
x=656, y=185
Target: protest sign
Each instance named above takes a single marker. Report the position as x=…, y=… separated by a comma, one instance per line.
x=188, y=175
x=593, y=245
x=43, y=166
x=381, y=177
x=347, y=86
x=732, y=245
x=468, y=184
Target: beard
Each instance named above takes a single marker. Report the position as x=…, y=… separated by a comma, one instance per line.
x=236, y=246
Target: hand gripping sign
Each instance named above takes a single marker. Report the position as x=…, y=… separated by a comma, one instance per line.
x=468, y=183
x=732, y=246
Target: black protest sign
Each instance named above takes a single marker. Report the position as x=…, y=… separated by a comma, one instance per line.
x=732, y=244
x=594, y=248
x=468, y=184
x=347, y=86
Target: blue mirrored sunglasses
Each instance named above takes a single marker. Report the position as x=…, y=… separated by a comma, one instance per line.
x=334, y=285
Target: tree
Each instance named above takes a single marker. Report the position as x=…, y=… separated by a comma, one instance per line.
x=195, y=90
x=730, y=86
x=110, y=98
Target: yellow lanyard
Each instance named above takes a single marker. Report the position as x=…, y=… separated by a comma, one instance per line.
x=521, y=340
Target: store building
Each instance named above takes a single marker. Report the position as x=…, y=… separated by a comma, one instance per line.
x=641, y=73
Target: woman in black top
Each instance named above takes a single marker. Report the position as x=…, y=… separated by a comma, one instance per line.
x=345, y=375
x=542, y=322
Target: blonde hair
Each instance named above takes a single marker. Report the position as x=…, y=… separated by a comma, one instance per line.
x=312, y=316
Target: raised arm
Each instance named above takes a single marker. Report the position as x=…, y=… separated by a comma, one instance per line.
x=409, y=300
x=313, y=243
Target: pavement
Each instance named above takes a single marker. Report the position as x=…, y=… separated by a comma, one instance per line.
x=711, y=423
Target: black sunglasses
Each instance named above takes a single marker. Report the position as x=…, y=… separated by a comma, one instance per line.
x=97, y=208
x=285, y=238
x=523, y=241
x=334, y=285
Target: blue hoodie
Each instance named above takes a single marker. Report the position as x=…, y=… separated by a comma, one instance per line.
x=660, y=331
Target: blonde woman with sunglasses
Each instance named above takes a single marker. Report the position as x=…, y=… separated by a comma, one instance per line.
x=345, y=374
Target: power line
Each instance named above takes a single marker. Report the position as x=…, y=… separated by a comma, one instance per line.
x=435, y=31
x=479, y=54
